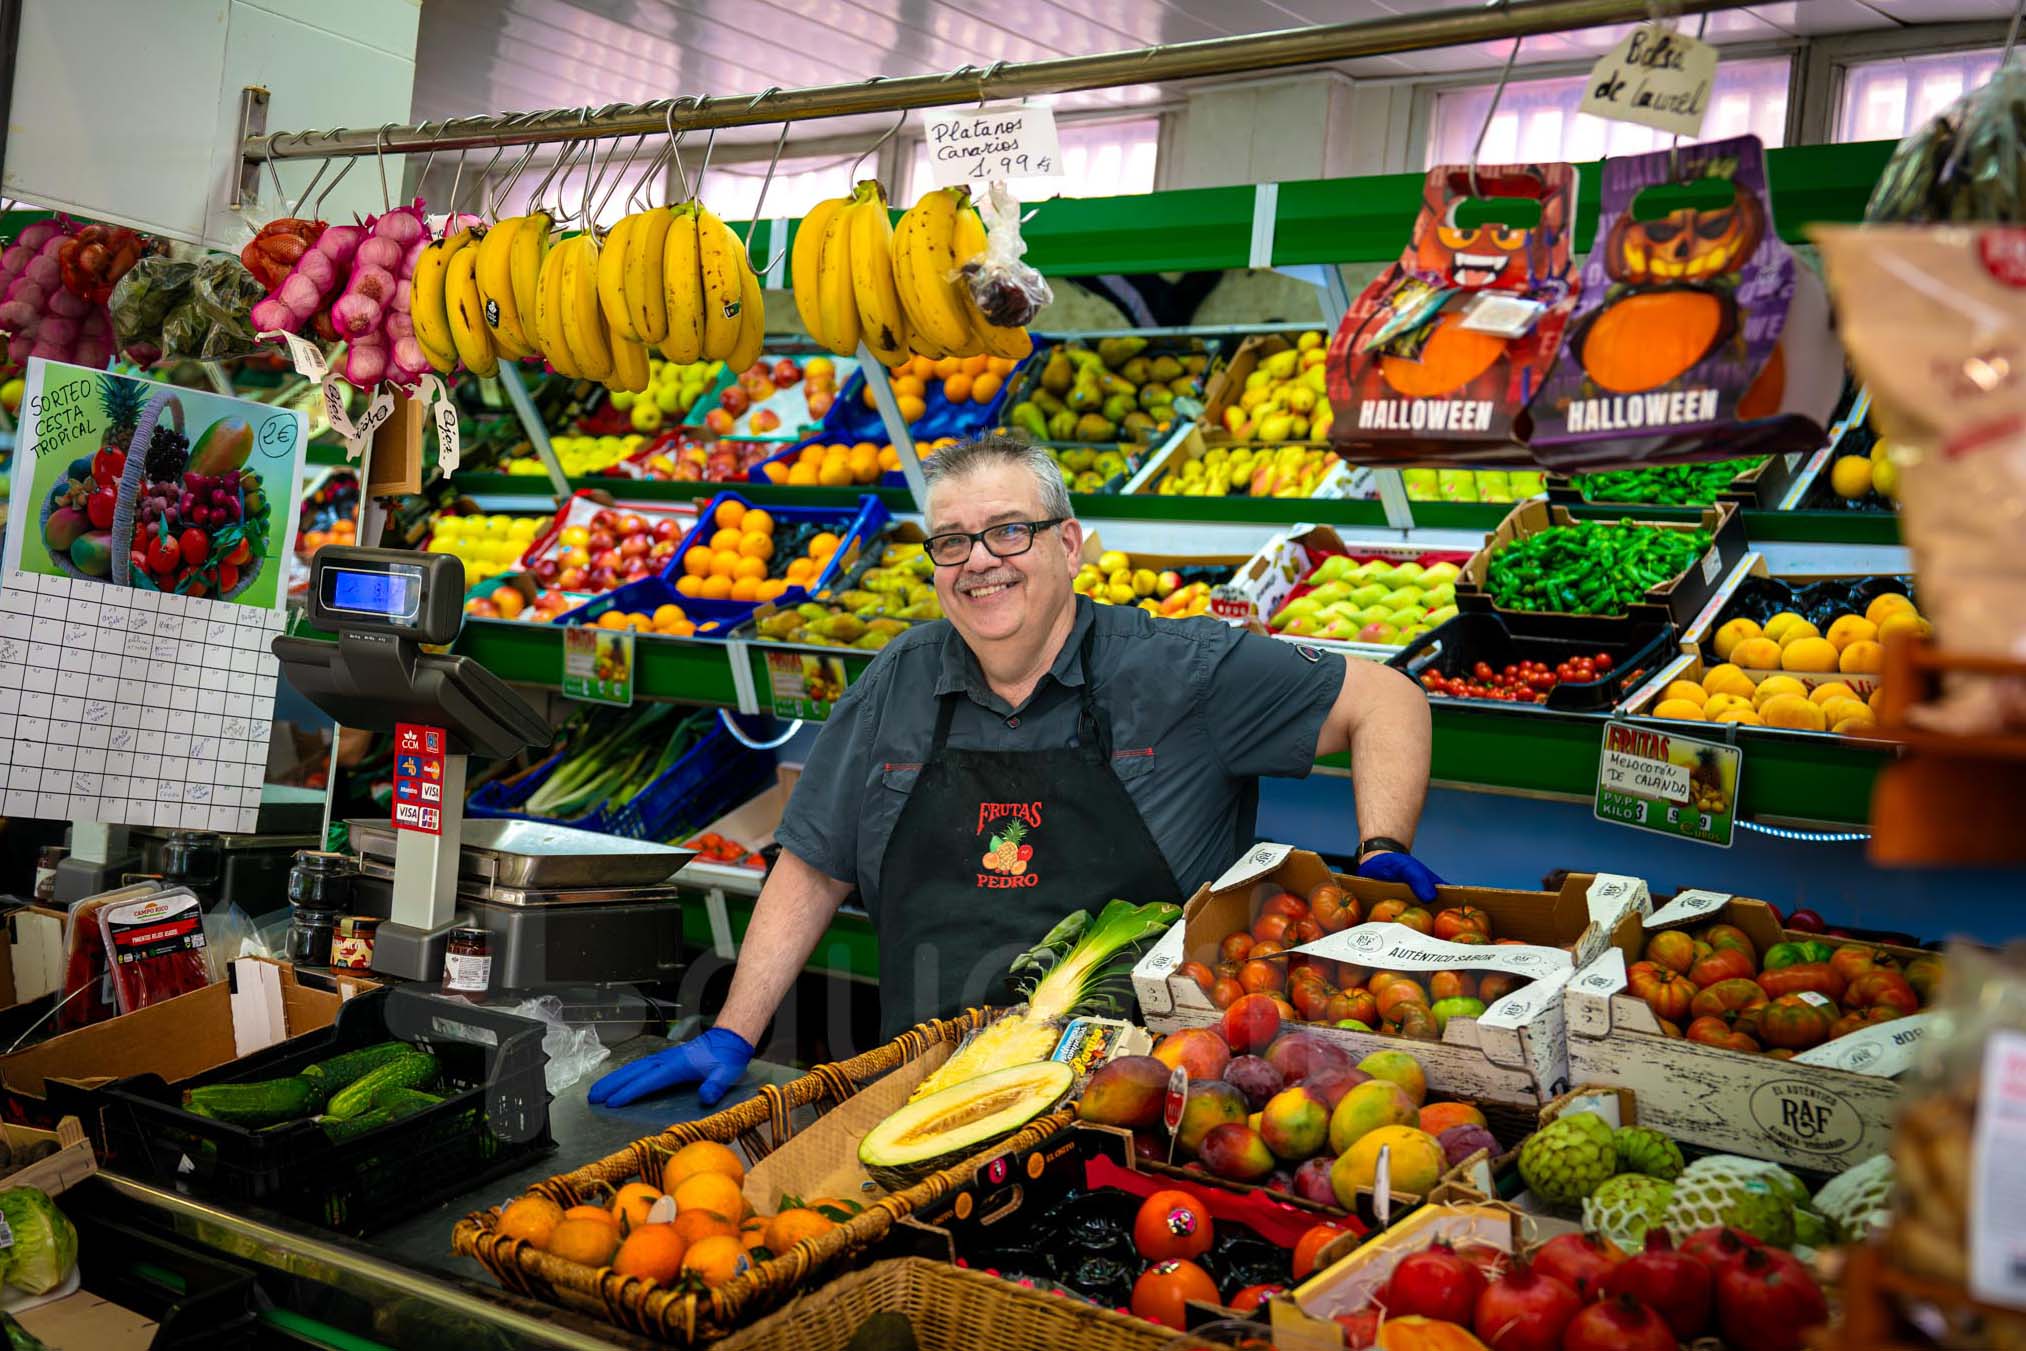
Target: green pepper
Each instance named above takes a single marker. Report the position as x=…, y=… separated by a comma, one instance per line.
x=1678, y=485
x=1590, y=567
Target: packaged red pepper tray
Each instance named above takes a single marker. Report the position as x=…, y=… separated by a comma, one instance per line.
x=88, y=982
x=156, y=947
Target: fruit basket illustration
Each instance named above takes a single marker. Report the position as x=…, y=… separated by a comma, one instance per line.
x=157, y=508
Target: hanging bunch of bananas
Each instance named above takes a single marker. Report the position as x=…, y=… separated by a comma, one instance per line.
x=898, y=288
x=674, y=278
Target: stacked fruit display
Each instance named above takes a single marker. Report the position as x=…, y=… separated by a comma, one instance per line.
x=1249, y=471
x=1376, y=600
x=1520, y=682
x=612, y=548
x=582, y=456
x=1578, y=1293
x=487, y=545
x=1868, y=478
x=683, y=456
x=672, y=390
x=510, y=602
x=1727, y=693
x=1115, y=392
x=748, y=397
x=1714, y=986
x=1343, y=995
x=1472, y=485
x=836, y=465
x=329, y=515
x=1283, y=397
x=685, y=1222
x=1674, y=485
x=1853, y=645
x=1175, y=1231
x=739, y=557
x=1590, y=567
x=866, y=610
x=904, y=289
x=1090, y=469
x=974, y=380
x=1113, y=580
x=1291, y=1112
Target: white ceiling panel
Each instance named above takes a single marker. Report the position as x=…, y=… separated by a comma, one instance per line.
x=478, y=56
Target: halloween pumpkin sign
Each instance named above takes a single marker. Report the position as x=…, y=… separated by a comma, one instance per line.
x=1697, y=333
x=1440, y=354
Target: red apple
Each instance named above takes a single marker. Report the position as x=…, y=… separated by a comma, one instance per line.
x=734, y=400
x=635, y=546
x=786, y=373
x=667, y=528
x=765, y=420
x=571, y=579
x=604, y=519
x=545, y=570
x=630, y=524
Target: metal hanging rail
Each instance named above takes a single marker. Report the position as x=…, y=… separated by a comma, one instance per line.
x=1178, y=61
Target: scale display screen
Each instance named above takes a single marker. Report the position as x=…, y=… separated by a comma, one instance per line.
x=388, y=595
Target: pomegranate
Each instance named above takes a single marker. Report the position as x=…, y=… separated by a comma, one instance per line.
x=1620, y=1324
x=1767, y=1301
x=1525, y=1311
x=1579, y=1261
x=1672, y=1284
x=1718, y=1246
x=1434, y=1283
x=1487, y=1259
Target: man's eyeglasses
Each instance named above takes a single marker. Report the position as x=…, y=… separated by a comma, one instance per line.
x=1001, y=541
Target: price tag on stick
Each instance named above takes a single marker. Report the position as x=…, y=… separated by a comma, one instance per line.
x=1174, y=1105
x=307, y=357
x=976, y=146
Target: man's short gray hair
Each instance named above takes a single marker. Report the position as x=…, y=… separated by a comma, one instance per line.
x=990, y=451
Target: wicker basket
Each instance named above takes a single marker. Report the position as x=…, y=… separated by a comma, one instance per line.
x=759, y=1125
x=951, y=1309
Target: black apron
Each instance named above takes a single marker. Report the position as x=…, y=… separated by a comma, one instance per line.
x=991, y=851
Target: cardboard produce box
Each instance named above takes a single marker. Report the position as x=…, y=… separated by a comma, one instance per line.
x=1677, y=600
x=260, y=1003
x=1513, y=1054
x=1828, y=1108
x=1278, y=573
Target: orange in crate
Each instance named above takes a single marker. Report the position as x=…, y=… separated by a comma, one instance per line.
x=697, y=1225
x=701, y=1156
x=654, y=1251
x=713, y=1192
x=716, y=1260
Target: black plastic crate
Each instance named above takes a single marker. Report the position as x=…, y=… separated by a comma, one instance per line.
x=493, y=1120
x=1636, y=648
x=1820, y=602
x=199, y=1300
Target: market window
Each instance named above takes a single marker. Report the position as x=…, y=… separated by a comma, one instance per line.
x=1099, y=159
x=1537, y=119
x=733, y=190
x=1884, y=100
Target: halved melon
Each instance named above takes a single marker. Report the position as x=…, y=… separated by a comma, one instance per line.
x=947, y=1127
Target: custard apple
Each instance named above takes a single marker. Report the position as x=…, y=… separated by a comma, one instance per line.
x=1858, y=1201
x=1644, y=1150
x=1569, y=1158
x=1725, y=1189
x=1625, y=1207
x=1811, y=1230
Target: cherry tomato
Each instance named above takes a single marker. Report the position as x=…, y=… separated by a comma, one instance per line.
x=1483, y=670
x=1602, y=661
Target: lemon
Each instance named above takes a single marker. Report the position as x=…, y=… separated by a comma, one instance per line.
x=1850, y=476
x=1885, y=478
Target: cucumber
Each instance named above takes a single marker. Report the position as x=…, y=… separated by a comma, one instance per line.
x=403, y=1101
x=255, y=1104
x=414, y=1070
x=340, y=1129
x=342, y=1070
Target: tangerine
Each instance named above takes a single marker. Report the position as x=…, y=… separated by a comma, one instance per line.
x=724, y=540
x=668, y=614
x=750, y=565
x=754, y=544
x=724, y=562
x=689, y=585
x=753, y=1233
x=532, y=1218
x=631, y=1205
x=758, y=520
x=985, y=386
x=746, y=588
x=790, y=1227
x=588, y=1242
x=729, y=513
x=701, y=1156
x=956, y=386
x=696, y=561
x=653, y=1251
x=716, y=1260
x=698, y=1225
x=710, y=1191
x=717, y=588
x=803, y=474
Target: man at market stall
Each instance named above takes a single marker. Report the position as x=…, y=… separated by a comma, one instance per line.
x=1035, y=755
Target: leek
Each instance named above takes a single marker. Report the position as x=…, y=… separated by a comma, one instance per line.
x=1084, y=967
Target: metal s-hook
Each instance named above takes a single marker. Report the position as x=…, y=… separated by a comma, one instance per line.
x=710, y=141
x=316, y=211
x=497, y=198
x=556, y=166
x=380, y=158
x=753, y=228
x=620, y=177
x=675, y=142
x=1498, y=92
x=891, y=132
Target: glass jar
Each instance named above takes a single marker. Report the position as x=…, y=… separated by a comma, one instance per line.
x=319, y=880
x=310, y=935
x=352, y=947
x=195, y=859
x=467, y=964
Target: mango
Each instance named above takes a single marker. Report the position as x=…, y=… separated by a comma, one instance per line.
x=1416, y=1163
x=1212, y=1103
x=1125, y=1092
x=1199, y=1050
x=66, y=524
x=1401, y=1069
x=222, y=446
x=1295, y=1123
x=93, y=553
x=1367, y=1107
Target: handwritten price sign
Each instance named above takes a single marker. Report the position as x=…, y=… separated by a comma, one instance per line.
x=980, y=145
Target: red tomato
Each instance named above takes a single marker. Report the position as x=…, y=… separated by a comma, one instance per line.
x=1313, y=1241
x=1162, y=1291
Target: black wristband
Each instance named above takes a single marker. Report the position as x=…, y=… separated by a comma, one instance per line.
x=1382, y=842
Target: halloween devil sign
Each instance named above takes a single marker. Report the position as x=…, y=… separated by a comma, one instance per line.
x=1442, y=352
x=1698, y=333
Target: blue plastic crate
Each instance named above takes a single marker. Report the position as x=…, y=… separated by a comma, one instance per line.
x=496, y=799
x=715, y=776
x=645, y=595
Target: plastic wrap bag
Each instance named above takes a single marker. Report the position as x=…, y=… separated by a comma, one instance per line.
x=224, y=293
x=1007, y=290
x=156, y=946
x=1928, y=315
x=144, y=299
x=573, y=1051
x=1943, y=1154
x=1962, y=165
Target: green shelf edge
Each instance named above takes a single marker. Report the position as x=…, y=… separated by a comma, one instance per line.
x=848, y=947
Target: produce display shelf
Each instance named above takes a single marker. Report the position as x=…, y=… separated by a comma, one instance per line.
x=1812, y=527
x=848, y=948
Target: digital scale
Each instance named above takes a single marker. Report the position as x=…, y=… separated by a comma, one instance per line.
x=563, y=906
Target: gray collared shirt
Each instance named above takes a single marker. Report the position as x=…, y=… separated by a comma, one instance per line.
x=1198, y=711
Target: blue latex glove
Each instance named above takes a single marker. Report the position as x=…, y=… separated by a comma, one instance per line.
x=716, y=1060
x=1394, y=867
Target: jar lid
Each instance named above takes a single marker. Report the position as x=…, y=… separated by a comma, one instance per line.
x=471, y=932
x=359, y=924
x=322, y=861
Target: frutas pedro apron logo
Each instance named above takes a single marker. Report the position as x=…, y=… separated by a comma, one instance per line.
x=1007, y=853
